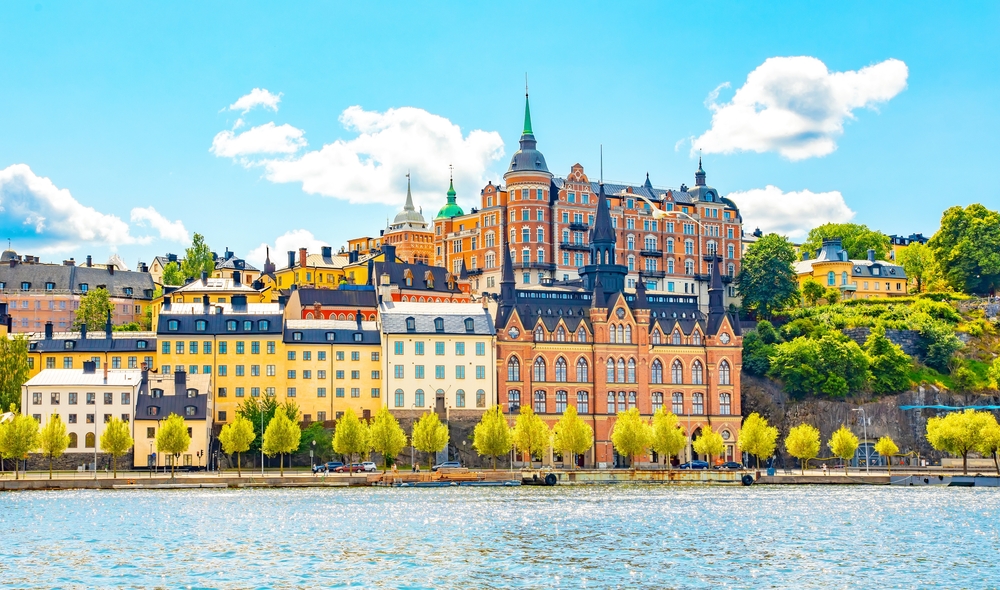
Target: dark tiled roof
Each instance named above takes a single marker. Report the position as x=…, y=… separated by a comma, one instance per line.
x=69, y=278
x=235, y=264
x=216, y=323
x=330, y=332
x=353, y=298
x=394, y=316
x=174, y=399
x=96, y=342
x=396, y=271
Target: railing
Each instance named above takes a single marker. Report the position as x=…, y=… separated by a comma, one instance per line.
x=574, y=246
x=655, y=253
x=579, y=226
x=652, y=274
x=538, y=265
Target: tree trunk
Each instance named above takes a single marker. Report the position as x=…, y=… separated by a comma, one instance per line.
x=239, y=468
x=173, y=467
x=50, y=466
x=281, y=464
x=888, y=464
x=802, y=464
x=965, y=463
x=845, y=467
x=495, y=463
x=114, y=466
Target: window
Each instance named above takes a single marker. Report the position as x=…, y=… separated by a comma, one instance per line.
x=291, y=373
x=513, y=369
x=439, y=348
x=724, y=373
x=610, y=378
x=355, y=375
x=460, y=398
x=239, y=392
x=223, y=347
x=698, y=404
x=355, y=355
x=418, y=398
x=418, y=371
x=611, y=402
x=126, y=398
x=89, y=440
x=480, y=371
x=290, y=392
x=459, y=348
x=539, y=369
x=628, y=334
x=675, y=338
x=581, y=335
x=656, y=372
x=631, y=371
x=621, y=371
x=439, y=371
x=480, y=349
x=150, y=411
x=36, y=398
x=190, y=410
x=339, y=392
x=657, y=402
x=239, y=370
x=539, y=334
x=831, y=279
x=696, y=372
x=91, y=399
x=222, y=392
x=621, y=401
x=72, y=398
x=398, y=371
x=513, y=401
x=411, y=325
x=438, y=325
x=399, y=399
x=231, y=325
x=539, y=402
x=460, y=372
x=240, y=347
x=418, y=348
x=676, y=372
x=725, y=404
x=200, y=325
x=677, y=403
x=340, y=355
x=631, y=400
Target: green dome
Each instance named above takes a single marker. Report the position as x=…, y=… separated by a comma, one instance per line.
x=451, y=209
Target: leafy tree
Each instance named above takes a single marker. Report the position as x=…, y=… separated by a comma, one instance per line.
x=832, y=295
x=967, y=248
x=95, y=307
x=843, y=444
x=631, y=435
x=767, y=281
x=493, y=437
x=757, y=437
x=260, y=412
x=917, y=260
x=53, y=439
x=351, y=436
x=172, y=275
x=989, y=443
x=531, y=435
x=236, y=438
x=963, y=378
x=833, y=366
x=888, y=363
x=938, y=343
x=709, y=443
x=958, y=433
x=281, y=437
x=856, y=239
x=429, y=435
x=802, y=443
x=18, y=437
x=116, y=441
x=571, y=435
x=387, y=437
x=767, y=333
x=197, y=259
x=812, y=290
x=173, y=439
x=755, y=354
x=668, y=436
x=13, y=370
x=994, y=373
x=315, y=432
x=886, y=447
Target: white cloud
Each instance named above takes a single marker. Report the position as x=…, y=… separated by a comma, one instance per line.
x=791, y=214
x=796, y=106
x=257, y=97
x=264, y=139
x=290, y=240
x=168, y=230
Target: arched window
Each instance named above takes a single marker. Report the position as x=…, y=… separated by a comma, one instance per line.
x=539, y=402
x=725, y=404
x=677, y=402
x=696, y=338
x=676, y=372
x=611, y=402
x=656, y=372
x=621, y=371
x=539, y=374
x=513, y=369
x=460, y=398
x=418, y=398
x=582, y=402
x=621, y=334
x=696, y=373
x=675, y=338
x=562, y=399
x=698, y=404
x=612, y=334
x=400, y=399
x=561, y=370
x=582, y=371
x=560, y=334
x=480, y=398
x=656, y=336
x=611, y=371
x=628, y=335
x=73, y=440
x=513, y=401
x=621, y=401
x=657, y=401
x=88, y=441
x=581, y=335
x=631, y=399
x=631, y=371
x=724, y=373
x=539, y=333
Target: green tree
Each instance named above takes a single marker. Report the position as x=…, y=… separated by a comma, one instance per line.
x=531, y=435
x=767, y=281
x=757, y=437
x=260, y=412
x=172, y=275
x=709, y=443
x=668, y=436
x=994, y=373
x=13, y=370
x=917, y=260
x=429, y=435
x=938, y=343
x=571, y=435
x=323, y=437
x=95, y=307
x=989, y=443
x=802, y=443
x=843, y=444
x=967, y=248
x=387, y=437
x=53, y=439
x=886, y=447
x=958, y=433
x=351, y=436
x=493, y=437
x=116, y=441
x=856, y=239
x=631, y=435
x=888, y=363
x=281, y=437
x=173, y=439
x=832, y=366
x=197, y=259
x=236, y=438
x=18, y=437
x=832, y=295
x=812, y=291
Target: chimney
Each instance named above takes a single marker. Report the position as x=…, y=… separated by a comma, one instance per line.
x=352, y=256
x=805, y=255
x=206, y=302
x=291, y=259
x=13, y=262
x=83, y=331
x=107, y=326
x=390, y=252
x=188, y=281
x=166, y=302
x=303, y=253
x=239, y=302
x=143, y=267
x=111, y=269
x=871, y=255
x=48, y=330
x=105, y=373
x=327, y=251
x=89, y=367
x=90, y=261
x=357, y=316
x=69, y=262
x=237, y=278
x=204, y=276
x=180, y=378
x=145, y=373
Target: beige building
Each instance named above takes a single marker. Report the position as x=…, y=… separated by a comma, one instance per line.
x=188, y=396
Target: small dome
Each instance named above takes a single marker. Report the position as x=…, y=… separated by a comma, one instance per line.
x=451, y=209
x=409, y=214
x=8, y=255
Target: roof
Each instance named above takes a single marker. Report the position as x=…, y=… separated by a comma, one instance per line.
x=528, y=158
x=397, y=272
x=451, y=209
x=95, y=341
x=217, y=323
x=215, y=285
x=395, y=314
x=353, y=298
x=47, y=377
x=331, y=331
x=235, y=264
x=175, y=396
x=833, y=251
x=409, y=214
x=177, y=309
x=69, y=279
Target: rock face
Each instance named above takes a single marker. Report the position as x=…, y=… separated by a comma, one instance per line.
x=908, y=340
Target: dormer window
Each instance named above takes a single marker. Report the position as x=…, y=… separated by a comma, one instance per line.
x=173, y=325
x=192, y=392
x=200, y=325
x=84, y=287
x=331, y=336
x=438, y=325
x=247, y=325
x=140, y=344
x=297, y=336
x=153, y=411
x=408, y=281
x=156, y=393
x=263, y=325
x=25, y=286
x=128, y=291
x=69, y=344
x=190, y=410
x=357, y=336
x=231, y=325
x=470, y=325
x=875, y=271
x=50, y=286
x=411, y=325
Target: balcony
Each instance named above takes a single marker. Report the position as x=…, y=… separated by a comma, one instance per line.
x=652, y=274
x=579, y=226
x=536, y=265
x=474, y=272
x=727, y=279
x=654, y=253
x=574, y=246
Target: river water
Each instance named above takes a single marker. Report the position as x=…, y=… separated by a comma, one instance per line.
x=650, y=536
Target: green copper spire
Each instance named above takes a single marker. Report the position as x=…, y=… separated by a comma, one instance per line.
x=451, y=209
x=527, y=116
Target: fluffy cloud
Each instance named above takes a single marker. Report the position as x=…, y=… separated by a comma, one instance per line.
x=291, y=240
x=795, y=106
x=257, y=97
x=168, y=230
x=790, y=214
x=264, y=139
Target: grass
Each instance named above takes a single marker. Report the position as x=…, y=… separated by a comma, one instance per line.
x=920, y=374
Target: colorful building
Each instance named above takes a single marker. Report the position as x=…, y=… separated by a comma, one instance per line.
x=400, y=281
x=159, y=396
x=230, y=266
x=856, y=279
x=344, y=303
x=409, y=233
x=105, y=348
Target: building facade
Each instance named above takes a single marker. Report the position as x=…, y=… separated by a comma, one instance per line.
x=105, y=349
x=409, y=233
x=159, y=396
x=856, y=279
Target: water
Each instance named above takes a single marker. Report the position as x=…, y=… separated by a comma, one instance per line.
x=563, y=537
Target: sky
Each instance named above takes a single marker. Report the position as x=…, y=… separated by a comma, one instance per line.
x=126, y=128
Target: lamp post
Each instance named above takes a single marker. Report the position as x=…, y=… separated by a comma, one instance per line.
x=261, y=411
x=95, y=444
x=312, y=452
x=864, y=424
x=151, y=467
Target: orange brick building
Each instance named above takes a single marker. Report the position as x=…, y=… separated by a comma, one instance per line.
x=409, y=234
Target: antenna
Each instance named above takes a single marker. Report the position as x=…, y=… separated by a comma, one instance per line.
x=451, y=172
x=526, y=85
x=602, y=164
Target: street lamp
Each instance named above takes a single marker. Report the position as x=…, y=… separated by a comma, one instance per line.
x=312, y=452
x=864, y=424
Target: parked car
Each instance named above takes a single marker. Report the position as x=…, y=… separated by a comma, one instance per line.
x=694, y=465
x=327, y=467
x=369, y=466
x=731, y=465
x=446, y=465
x=352, y=468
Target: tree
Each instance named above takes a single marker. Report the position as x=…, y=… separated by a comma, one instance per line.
x=967, y=248
x=172, y=275
x=989, y=442
x=994, y=373
x=198, y=259
x=260, y=412
x=281, y=437
x=812, y=290
x=938, y=343
x=95, y=308
x=351, y=436
x=856, y=239
x=18, y=437
x=767, y=281
x=668, y=436
x=802, y=443
x=14, y=370
x=531, y=435
x=958, y=433
x=709, y=443
x=832, y=295
x=316, y=433
x=757, y=437
x=387, y=437
x=843, y=444
x=236, y=438
x=116, y=441
x=832, y=366
x=493, y=437
x=888, y=363
x=631, y=435
x=571, y=435
x=886, y=447
x=53, y=439
x=173, y=439
x=917, y=260
x=429, y=435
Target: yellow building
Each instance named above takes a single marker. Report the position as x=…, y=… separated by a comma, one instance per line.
x=206, y=291
x=856, y=279
x=230, y=266
x=69, y=350
x=326, y=269
x=188, y=396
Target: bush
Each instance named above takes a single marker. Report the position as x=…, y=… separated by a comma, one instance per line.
x=832, y=366
x=889, y=364
x=938, y=344
x=756, y=354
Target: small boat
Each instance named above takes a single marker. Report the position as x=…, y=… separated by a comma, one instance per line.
x=975, y=481
x=488, y=484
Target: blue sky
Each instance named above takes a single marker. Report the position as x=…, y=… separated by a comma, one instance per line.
x=116, y=132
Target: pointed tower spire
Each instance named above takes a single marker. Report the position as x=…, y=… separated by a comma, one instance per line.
x=527, y=110
x=451, y=208
x=409, y=196
x=603, y=232
x=699, y=175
